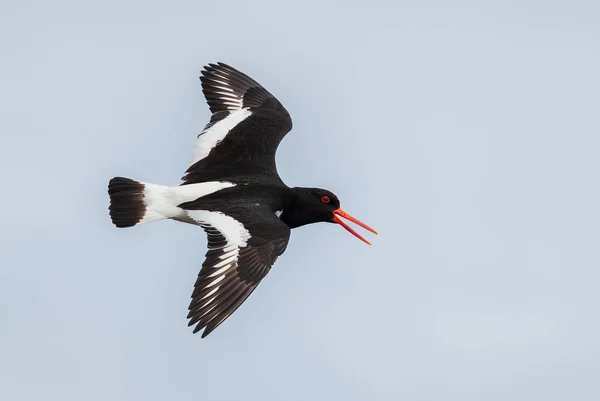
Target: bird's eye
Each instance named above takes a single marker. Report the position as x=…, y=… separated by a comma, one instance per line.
x=325, y=199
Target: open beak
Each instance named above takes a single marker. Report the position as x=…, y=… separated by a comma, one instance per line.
x=340, y=213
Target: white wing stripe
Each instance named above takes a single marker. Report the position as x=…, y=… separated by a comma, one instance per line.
x=226, y=261
x=215, y=281
x=221, y=270
x=229, y=95
x=225, y=88
x=229, y=99
x=228, y=254
x=209, y=138
x=224, y=83
x=229, y=248
x=211, y=292
x=234, y=232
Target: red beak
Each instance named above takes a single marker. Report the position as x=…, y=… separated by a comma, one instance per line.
x=341, y=213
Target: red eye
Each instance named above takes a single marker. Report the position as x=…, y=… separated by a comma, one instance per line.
x=325, y=199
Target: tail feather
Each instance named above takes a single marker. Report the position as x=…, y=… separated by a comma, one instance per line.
x=127, y=207
x=133, y=202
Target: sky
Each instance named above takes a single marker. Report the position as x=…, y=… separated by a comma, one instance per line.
x=466, y=133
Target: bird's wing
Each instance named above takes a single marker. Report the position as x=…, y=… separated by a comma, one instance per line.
x=242, y=247
x=244, y=131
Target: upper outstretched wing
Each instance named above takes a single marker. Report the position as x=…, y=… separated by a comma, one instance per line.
x=242, y=247
x=244, y=131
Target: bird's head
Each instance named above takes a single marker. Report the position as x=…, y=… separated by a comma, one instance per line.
x=314, y=205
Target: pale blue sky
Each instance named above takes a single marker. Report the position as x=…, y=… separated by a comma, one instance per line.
x=466, y=133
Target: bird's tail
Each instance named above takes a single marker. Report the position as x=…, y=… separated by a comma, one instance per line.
x=133, y=202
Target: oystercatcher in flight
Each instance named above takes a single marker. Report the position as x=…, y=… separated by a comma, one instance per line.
x=233, y=191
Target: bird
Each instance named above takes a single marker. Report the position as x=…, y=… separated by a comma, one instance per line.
x=232, y=190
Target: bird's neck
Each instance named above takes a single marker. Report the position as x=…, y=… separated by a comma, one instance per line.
x=296, y=212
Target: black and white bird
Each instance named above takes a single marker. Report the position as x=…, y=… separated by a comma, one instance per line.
x=233, y=191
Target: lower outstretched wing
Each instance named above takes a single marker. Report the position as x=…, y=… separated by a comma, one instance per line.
x=242, y=247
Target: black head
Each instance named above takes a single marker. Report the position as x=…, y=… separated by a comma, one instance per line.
x=314, y=205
